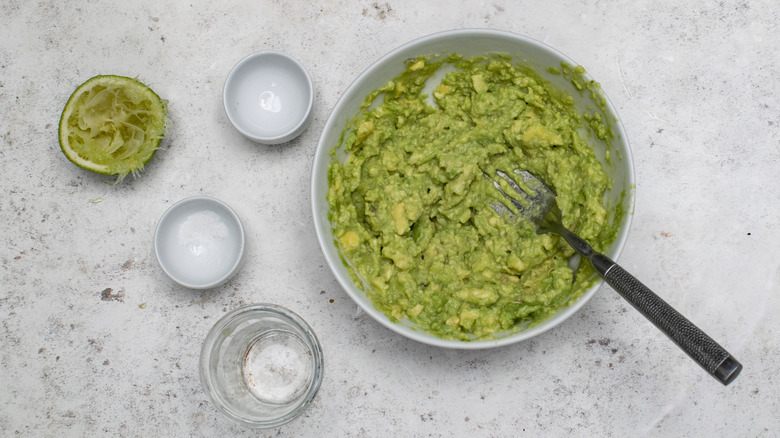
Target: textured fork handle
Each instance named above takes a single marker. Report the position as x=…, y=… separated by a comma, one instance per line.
x=700, y=347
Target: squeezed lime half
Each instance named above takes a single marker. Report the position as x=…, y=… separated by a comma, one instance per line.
x=112, y=125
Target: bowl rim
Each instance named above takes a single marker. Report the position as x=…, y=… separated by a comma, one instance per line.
x=207, y=200
x=323, y=150
x=295, y=130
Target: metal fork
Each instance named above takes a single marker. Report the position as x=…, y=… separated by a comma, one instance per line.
x=535, y=202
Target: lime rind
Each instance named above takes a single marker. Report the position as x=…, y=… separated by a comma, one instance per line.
x=112, y=125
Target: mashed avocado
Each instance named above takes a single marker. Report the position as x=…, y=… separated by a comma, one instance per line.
x=410, y=203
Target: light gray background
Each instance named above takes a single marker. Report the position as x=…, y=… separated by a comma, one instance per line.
x=694, y=81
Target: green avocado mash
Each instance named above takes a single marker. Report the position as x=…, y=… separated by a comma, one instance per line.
x=409, y=205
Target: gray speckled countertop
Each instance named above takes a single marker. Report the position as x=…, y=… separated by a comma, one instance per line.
x=95, y=340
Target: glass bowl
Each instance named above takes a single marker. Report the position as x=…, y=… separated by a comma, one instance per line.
x=261, y=365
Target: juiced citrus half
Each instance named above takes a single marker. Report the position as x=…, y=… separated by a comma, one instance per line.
x=112, y=125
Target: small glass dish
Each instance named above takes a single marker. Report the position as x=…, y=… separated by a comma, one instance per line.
x=261, y=365
x=268, y=97
x=200, y=242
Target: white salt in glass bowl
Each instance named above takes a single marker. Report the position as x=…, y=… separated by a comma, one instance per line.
x=200, y=242
x=473, y=42
x=268, y=97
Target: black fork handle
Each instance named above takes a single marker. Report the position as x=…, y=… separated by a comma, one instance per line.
x=701, y=348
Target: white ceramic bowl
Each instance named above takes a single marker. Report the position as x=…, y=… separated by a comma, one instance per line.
x=268, y=97
x=468, y=42
x=199, y=242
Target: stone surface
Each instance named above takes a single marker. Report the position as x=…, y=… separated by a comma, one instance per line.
x=95, y=340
